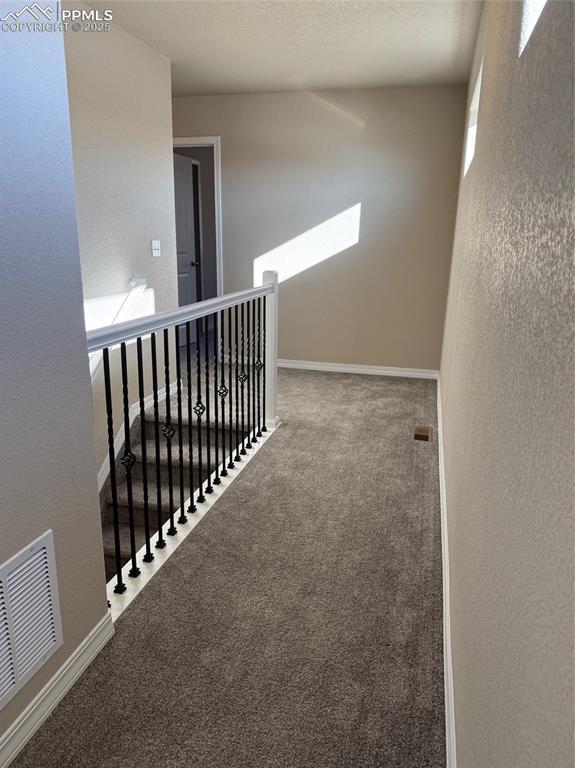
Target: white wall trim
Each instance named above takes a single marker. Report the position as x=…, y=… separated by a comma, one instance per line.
x=215, y=142
x=450, y=745
x=374, y=370
x=28, y=722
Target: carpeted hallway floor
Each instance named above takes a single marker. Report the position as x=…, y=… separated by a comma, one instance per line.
x=300, y=624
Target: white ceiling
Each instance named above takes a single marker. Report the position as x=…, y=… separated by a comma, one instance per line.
x=239, y=46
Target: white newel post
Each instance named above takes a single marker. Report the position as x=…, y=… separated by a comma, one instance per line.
x=272, y=419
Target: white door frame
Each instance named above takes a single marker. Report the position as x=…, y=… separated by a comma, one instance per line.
x=215, y=142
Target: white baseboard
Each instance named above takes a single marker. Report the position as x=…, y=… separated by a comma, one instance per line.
x=26, y=725
x=373, y=370
x=447, y=657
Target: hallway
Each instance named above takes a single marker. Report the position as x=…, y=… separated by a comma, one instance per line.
x=300, y=624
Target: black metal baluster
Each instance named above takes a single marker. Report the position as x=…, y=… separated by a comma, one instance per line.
x=209, y=488
x=120, y=586
x=148, y=557
x=222, y=392
x=192, y=507
x=248, y=380
x=231, y=392
x=199, y=410
x=217, y=480
x=242, y=381
x=182, y=518
x=264, y=428
x=259, y=364
x=168, y=432
x=161, y=542
x=128, y=460
x=253, y=372
x=237, y=457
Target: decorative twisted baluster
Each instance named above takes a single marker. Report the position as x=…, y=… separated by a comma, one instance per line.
x=248, y=377
x=199, y=410
x=148, y=556
x=128, y=460
x=182, y=518
x=168, y=432
x=243, y=377
x=237, y=457
x=222, y=392
x=230, y=388
x=259, y=365
x=208, y=488
x=161, y=542
x=264, y=428
x=192, y=507
x=253, y=372
x=217, y=480
x=120, y=586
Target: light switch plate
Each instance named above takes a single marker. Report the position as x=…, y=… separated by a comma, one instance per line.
x=156, y=250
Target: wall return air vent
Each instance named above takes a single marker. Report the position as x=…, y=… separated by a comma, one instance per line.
x=30, y=623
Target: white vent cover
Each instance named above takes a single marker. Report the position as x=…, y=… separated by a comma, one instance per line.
x=30, y=623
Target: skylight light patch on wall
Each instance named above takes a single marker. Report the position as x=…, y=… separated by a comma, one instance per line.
x=312, y=247
x=532, y=10
x=472, y=119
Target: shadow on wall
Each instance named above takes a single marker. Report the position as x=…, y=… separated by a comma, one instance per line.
x=315, y=245
x=340, y=112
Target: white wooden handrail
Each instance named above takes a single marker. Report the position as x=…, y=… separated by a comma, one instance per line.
x=197, y=392
x=101, y=338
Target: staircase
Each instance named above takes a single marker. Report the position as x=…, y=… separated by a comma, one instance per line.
x=186, y=412
x=159, y=461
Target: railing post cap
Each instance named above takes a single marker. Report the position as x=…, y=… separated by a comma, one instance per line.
x=270, y=277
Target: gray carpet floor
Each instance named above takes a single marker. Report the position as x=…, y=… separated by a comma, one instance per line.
x=300, y=624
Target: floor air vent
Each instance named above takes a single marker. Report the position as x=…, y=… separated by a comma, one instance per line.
x=30, y=623
x=422, y=433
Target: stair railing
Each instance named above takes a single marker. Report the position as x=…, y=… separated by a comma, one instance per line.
x=205, y=377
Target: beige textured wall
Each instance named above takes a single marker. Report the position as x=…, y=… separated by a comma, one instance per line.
x=120, y=107
x=46, y=471
x=507, y=376
x=292, y=160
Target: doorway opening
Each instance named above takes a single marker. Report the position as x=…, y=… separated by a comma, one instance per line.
x=197, y=192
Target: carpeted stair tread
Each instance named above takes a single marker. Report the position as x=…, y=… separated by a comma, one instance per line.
x=124, y=529
x=151, y=453
x=149, y=412
x=138, y=494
